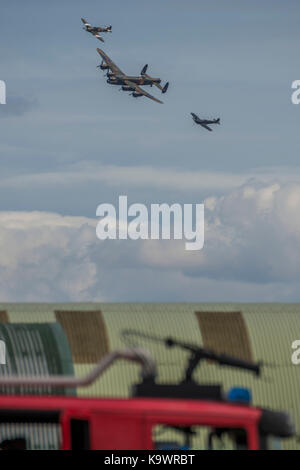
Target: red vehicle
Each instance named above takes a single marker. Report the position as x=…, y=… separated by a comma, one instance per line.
x=136, y=423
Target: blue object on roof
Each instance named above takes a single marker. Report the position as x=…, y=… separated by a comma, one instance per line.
x=239, y=395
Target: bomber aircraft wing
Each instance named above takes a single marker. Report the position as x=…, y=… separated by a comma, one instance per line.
x=140, y=91
x=113, y=67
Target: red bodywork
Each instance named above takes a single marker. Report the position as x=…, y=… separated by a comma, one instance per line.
x=126, y=424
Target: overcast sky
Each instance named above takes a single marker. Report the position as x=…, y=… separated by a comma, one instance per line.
x=69, y=142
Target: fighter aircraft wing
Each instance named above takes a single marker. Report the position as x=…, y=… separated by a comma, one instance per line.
x=205, y=126
x=140, y=90
x=110, y=63
x=85, y=22
x=97, y=35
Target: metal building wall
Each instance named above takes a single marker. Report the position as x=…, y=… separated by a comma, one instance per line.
x=35, y=349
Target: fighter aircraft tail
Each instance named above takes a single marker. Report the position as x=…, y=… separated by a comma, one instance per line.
x=109, y=29
x=218, y=121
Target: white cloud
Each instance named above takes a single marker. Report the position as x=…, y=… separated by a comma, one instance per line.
x=251, y=252
x=83, y=173
x=143, y=176
x=45, y=256
x=252, y=235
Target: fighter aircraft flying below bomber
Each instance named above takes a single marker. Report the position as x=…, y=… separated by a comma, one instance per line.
x=204, y=122
x=95, y=30
x=115, y=76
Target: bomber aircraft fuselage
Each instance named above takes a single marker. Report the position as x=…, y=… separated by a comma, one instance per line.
x=115, y=80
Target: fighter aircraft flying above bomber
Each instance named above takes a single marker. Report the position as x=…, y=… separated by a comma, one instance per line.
x=204, y=122
x=95, y=30
x=115, y=76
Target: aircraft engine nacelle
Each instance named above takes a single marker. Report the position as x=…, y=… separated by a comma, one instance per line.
x=104, y=67
x=112, y=81
x=136, y=95
x=127, y=88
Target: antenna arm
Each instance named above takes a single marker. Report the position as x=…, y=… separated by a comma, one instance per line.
x=139, y=355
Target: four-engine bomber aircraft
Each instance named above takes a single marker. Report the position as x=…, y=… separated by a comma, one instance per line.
x=95, y=30
x=115, y=76
x=204, y=122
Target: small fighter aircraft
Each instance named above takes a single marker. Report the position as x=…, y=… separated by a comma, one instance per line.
x=95, y=30
x=204, y=122
x=115, y=76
